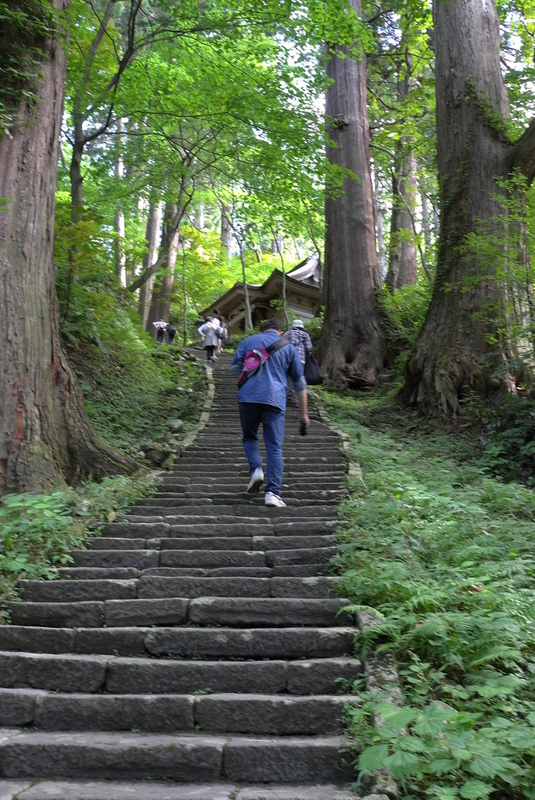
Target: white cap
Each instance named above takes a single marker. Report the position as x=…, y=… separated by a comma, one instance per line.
x=298, y=323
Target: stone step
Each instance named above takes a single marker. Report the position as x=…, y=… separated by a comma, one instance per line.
x=186, y=758
x=68, y=591
x=213, y=713
x=238, y=484
x=97, y=674
x=251, y=542
x=97, y=573
x=186, y=642
x=142, y=559
x=142, y=790
x=240, y=507
x=318, y=495
x=243, y=612
x=207, y=526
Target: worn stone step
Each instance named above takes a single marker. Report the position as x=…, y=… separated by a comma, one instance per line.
x=252, y=542
x=187, y=642
x=240, y=507
x=233, y=586
x=140, y=559
x=150, y=790
x=256, y=609
x=238, y=485
x=180, y=525
x=319, y=555
x=70, y=591
x=142, y=790
x=318, y=496
x=216, y=572
x=252, y=607
x=268, y=612
x=125, y=675
x=181, y=757
x=214, y=713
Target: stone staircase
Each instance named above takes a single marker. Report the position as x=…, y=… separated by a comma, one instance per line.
x=196, y=651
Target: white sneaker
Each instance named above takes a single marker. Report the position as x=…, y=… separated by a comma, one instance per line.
x=274, y=500
x=257, y=479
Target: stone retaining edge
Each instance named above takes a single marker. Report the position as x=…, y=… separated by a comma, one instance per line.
x=191, y=438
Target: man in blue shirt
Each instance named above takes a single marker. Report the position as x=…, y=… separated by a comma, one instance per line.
x=262, y=399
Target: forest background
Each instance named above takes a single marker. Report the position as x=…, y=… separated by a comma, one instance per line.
x=154, y=153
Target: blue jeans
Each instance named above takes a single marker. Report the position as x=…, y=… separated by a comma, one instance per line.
x=272, y=419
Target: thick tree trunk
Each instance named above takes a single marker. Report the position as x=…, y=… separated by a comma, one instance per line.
x=152, y=236
x=226, y=230
x=46, y=438
x=163, y=291
x=381, y=251
x=402, y=269
x=455, y=352
x=352, y=346
x=120, y=254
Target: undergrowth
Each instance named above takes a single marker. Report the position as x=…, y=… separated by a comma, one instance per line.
x=132, y=391
x=37, y=531
x=444, y=554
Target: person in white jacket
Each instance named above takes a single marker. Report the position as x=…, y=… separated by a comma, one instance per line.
x=210, y=331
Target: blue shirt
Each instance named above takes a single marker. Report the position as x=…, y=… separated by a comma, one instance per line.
x=269, y=385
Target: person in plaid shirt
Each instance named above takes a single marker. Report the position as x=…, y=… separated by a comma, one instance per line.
x=303, y=344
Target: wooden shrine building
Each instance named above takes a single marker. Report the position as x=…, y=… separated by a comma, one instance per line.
x=302, y=297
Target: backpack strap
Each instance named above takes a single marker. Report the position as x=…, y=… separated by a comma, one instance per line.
x=281, y=342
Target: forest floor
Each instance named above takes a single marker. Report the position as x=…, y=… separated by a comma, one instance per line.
x=442, y=551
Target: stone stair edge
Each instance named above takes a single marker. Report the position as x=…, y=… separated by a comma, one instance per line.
x=140, y=790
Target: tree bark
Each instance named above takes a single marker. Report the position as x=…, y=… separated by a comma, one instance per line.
x=459, y=349
x=352, y=348
x=163, y=291
x=226, y=231
x=152, y=236
x=46, y=438
x=120, y=254
x=402, y=269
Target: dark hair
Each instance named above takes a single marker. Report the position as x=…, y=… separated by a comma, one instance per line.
x=216, y=311
x=270, y=325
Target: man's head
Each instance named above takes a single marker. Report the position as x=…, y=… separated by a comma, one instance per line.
x=298, y=323
x=271, y=325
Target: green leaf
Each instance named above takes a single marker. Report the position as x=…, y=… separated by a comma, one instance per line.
x=492, y=766
x=475, y=790
x=441, y=766
x=434, y=720
x=402, y=763
x=373, y=757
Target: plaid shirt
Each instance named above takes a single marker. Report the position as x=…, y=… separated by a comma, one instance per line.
x=301, y=341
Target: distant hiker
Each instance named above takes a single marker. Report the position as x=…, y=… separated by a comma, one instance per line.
x=224, y=335
x=262, y=400
x=171, y=331
x=209, y=331
x=160, y=326
x=303, y=344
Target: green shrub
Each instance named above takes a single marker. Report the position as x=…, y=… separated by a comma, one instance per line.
x=444, y=554
x=402, y=317
x=38, y=531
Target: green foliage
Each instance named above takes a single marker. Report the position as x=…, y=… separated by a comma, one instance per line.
x=92, y=303
x=444, y=554
x=38, y=531
x=507, y=440
x=131, y=392
x=24, y=27
x=402, y=316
